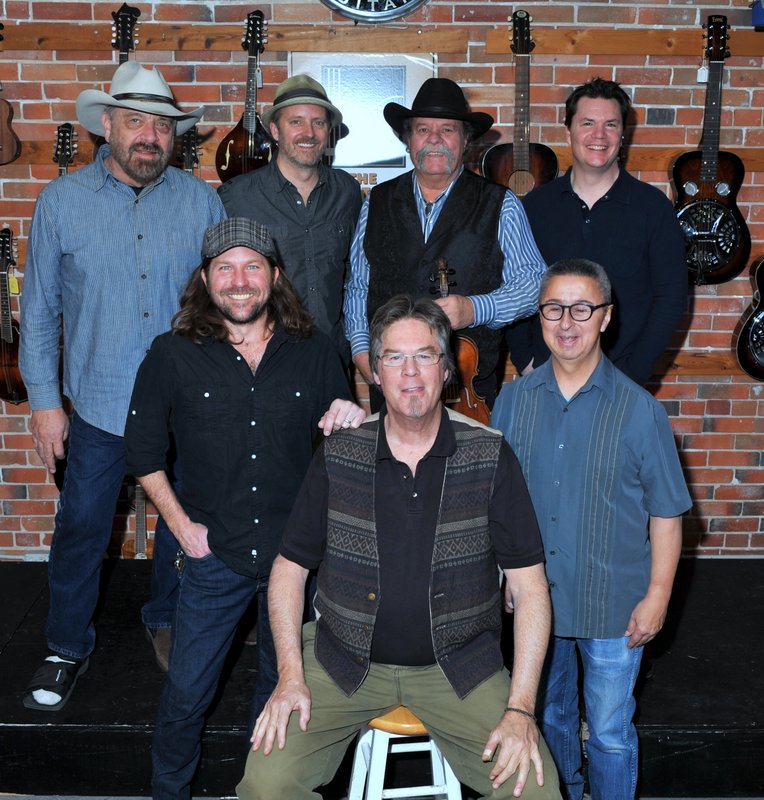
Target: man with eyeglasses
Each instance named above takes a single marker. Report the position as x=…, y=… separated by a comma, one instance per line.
x=408, y=520
x=602, y=468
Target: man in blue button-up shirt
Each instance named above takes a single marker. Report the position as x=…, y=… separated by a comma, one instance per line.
x=110, y=249
x=599, y=457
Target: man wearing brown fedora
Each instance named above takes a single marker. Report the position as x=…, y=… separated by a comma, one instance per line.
x=110, y=249
x=310, y=209
x=440, y=209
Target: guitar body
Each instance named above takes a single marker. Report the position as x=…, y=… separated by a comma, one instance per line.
x=498, y=166
x=10, y=146
x=12, y=388
x=750, y=341
x=242, y=151
x=716, y=236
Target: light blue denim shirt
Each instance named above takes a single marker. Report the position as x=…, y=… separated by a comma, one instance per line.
x=113, y=265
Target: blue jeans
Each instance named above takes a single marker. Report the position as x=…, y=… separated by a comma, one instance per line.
x=610, y=672
x=94, y=473
x=211, y=600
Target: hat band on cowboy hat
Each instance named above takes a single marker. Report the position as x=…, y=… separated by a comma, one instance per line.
x=438, y=98
x=136, y=87
x=301, y=90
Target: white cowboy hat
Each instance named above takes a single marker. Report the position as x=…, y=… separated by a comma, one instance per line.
x=136, y=87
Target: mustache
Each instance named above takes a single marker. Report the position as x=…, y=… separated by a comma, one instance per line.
x=152, y=148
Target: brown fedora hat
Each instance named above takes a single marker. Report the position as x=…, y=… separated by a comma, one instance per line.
x=438, y=98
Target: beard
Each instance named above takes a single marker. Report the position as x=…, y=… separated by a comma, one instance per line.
x=242, y=318
x=137, y=169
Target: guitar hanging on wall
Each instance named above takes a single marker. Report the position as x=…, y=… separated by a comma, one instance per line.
x=10, y=146
x=707, y=182
x=522, y=165
x=248, y=146
x=12, y=388
x=66, y=147
x=750, y=341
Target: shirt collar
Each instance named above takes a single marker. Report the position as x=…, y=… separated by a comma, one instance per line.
x=620, y=191
x=280, y=183
x=603, y=378
x=443, y=446
x=103, y=174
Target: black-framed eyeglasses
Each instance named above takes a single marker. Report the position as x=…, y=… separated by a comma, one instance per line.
x=424, y=358
x=579, y=312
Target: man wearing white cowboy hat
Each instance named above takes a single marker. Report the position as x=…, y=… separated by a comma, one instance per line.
x=439, y=209
x=310, y=209
x=110, y=249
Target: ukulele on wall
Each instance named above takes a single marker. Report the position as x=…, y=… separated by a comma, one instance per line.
x=750, y=341
x=522, y=165
x=707, y=182
x=460, y=394
x=247, y=147
x=12, y=388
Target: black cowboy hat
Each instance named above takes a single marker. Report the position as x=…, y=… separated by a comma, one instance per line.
x=439, y=98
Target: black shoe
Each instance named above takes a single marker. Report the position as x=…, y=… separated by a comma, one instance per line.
x=57, y=675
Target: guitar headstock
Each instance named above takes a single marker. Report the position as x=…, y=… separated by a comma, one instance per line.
x=522, y=44
x=2, y=28
x=716, y=37
x=8, y=250
x=255, y=33
x=124, y=29
x=66, y=145
x=189, y=149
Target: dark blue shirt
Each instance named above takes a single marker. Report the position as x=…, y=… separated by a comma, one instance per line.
x=597, y=466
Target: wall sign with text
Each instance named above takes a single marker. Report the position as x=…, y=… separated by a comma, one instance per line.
x=373, y=10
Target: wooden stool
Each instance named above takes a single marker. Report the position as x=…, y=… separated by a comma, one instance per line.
x=377, y=739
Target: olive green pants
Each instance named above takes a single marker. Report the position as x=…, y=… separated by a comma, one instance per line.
x=460, y=728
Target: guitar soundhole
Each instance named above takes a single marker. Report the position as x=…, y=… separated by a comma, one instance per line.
x=756, y=338
x=521, y=182
x=711, y=234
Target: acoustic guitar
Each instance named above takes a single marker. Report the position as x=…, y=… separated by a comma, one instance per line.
x=522, y=165
x=750, y=342
x=707, y=182
x=460, y=393
x=12, y=388
x=248, y=146
x=189, y=150
x=10, y=146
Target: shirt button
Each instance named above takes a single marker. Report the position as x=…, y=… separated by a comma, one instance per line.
x=206, y=394
x=256, y=521
x=144, y=276
x=561, y=446
x=556, y=483
x=552, y=552
x=297, y=394
x=415, y=494
x=371, y=596
x=145, y=314
x=253, y=456
x=254, y=488
x=554, y=519
x=140, y=236
x=252, y=422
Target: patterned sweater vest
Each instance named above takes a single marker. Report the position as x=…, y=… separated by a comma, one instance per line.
x=465, y=602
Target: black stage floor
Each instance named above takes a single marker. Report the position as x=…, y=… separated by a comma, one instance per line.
x=700, y=710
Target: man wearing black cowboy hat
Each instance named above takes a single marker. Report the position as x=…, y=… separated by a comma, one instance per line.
x=110, y=249
x=442, y=210
x=310, y=209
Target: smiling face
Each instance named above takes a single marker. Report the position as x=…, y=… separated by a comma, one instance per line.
x=239, y=282
x=302, y=134
x=437, y=146
x=595, y=133
x=141, y=144
x=412, y=390
x=574, y=344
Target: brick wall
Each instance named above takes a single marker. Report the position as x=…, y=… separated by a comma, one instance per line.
x=716, y=410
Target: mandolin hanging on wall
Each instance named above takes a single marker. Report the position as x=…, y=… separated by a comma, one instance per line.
x=248, y=146
x=522, y=165
x=707, y=182
x=750, y=342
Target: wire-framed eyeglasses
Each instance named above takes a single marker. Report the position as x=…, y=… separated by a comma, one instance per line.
x=424, y=358
x=579, y=312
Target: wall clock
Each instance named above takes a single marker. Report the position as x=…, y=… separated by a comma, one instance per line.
x=373, y=10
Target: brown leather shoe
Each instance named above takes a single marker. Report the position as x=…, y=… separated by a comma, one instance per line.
x=161, y=639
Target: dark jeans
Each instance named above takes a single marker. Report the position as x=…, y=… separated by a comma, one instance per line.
x=94, y=473
x=211, y=600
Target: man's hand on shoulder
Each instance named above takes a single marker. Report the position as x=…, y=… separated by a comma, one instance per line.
x=459, y=310
x=49, y=429
x=517, y=739
x=341, y=414
x=271, y=726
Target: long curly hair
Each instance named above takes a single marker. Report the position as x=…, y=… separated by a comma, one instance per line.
x=199, y=318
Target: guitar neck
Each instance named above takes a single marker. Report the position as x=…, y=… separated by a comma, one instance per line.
x=140, y=520
x=522, y=131
x=250, y=102
x=6, y=330
x=709, y=143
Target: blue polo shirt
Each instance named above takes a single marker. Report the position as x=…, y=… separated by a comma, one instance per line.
x=598, y=465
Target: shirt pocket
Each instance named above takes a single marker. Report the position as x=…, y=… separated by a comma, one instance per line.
x=207, y=408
